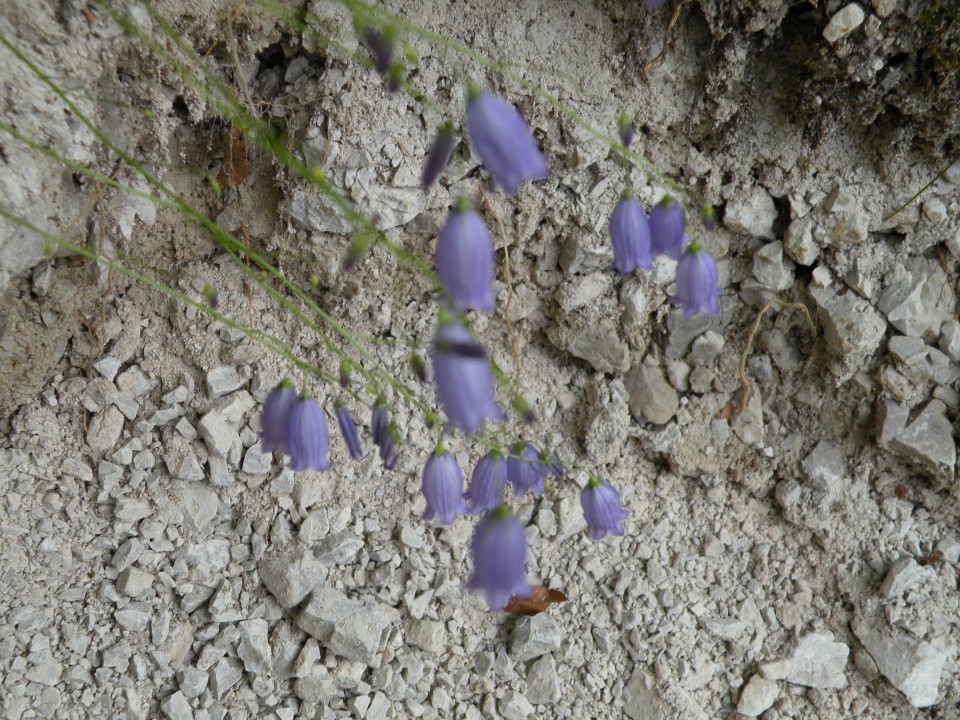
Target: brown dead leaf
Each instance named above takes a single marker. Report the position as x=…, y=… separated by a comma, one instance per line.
x=727, y=412
x=540, y=599
x=235, y=168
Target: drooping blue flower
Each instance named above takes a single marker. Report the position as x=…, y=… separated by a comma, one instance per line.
x=666, y=229
x=708, y=216
x=602, y=509
x=488, y=483
x=551, y=463
x=381, y=45
x=499, y=550
x=625, y=126
x=276, y=418
x=463, y=377
x=308, y=441
x=525, y=469
x=438, y=155
x=442, y=488
x=630, y=236
x=503, y=142
x=390, y=447
x=465, y=261
x=697, y=282
x=654, y=5
x=379, y=420
x=348, y=430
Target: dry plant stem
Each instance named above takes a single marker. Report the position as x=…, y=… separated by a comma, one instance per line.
x=753, y=333
x=507, y=279
x=658, y=58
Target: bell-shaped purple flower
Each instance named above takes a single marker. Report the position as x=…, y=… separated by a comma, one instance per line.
x=602, y=509
x=381, y=45
x=488, y=483
x=697, y=282
x=438, y=155
x=379, y=420
x=525, y=469
x=552, y=464
x=630, y=236
x=390, y=447
x=463, y=377
x=666, y=229
x=503, y=142
x=465, y=261
x=308, y=442
x=276, y=418
x=348, y=430
x=442, y=488
x=625, y=126
x=499, y=550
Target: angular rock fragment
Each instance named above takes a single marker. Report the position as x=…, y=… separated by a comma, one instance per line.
x=927, y=440
x=903, y=575
x=290, y=573
x=534, y=636
x=819, y=662
x=917, y=298
x=350, y=628
x=852, y=328
x=757, y=695
x=652, y=398
x=911, y=665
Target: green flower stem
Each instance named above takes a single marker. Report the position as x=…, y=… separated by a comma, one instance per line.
x=224, y=239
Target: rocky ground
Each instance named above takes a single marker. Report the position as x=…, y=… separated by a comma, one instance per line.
x=792, y=553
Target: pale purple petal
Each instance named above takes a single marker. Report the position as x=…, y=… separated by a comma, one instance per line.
x=503, y=142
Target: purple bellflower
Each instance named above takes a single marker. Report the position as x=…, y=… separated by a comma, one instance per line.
x=697, y=281
x=390, y=447
x=442, y=488
x=625, y=126
x=630, y=236
x=379, y=420
x=499, y=550
x=308, y=441
x=463, y=377
x=525, y=470
x=503, y=142
x=381, y=45
x=602, y=509
x=276, y=418
x=551, y=463
x=465, y=261
x=487, y=484
x=654, y=5
x=666, y=229
x=438, y=155
x=348, y=430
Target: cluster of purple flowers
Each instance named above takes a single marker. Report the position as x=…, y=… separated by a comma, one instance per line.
x=637, y=239
x=463, y=376
x=296, y=426
x=499, y=546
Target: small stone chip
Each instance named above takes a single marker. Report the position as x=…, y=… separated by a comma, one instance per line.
x=290, y=573
x=176, y=707
x=757, y=695
x=134, y=582
x=534, y=636
x=254, y=649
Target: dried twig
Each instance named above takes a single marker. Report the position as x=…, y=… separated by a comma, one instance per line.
x=753, y=332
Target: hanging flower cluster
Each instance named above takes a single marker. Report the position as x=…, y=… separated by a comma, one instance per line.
x=462, y=373
x=637, y=239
